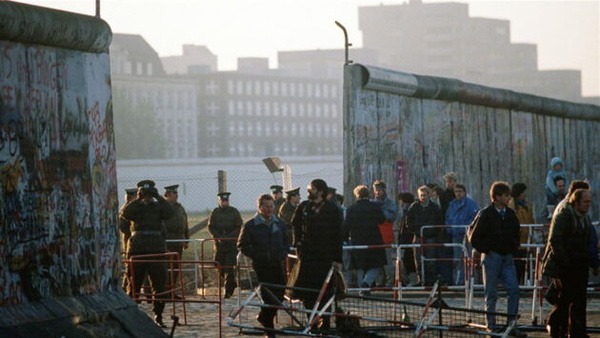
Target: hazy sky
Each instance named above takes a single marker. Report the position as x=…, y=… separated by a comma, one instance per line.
x=567, y=32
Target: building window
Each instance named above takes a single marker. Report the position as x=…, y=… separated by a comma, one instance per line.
x=240, y=108
x=267, y=109
x=294, y=129
x=318, y=110
x=240, y=87
x=267, y=129
x=249, y=108
x=301, y=109
x=275, y=86
x=266, y=88
x=139, y=68
x=301, y=89
x=149, y=69
x=231, y=129
x=292, y=89
x=317, y=90
x=231, y=108
x=257, y=108
x=326, y=110
x=248, y=88
x=334, y=112
x=309, y=110
x=293, y=109
x=212, y=128
x=284, y=91
x=240, y=129
x=257, y=87
x=309, y=90
x=284, y=110
x=333, y=91
x=275, y=109
x=230, y=87
x=325, y=90
x=250, y=129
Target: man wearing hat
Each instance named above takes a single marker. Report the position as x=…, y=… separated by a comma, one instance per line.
x=146, y=215
x=224, y=224
x=277, y=193
x=176, y=226
x=286, y=211
x=125, y=227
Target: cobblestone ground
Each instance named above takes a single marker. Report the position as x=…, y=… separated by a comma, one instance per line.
x=203, y=318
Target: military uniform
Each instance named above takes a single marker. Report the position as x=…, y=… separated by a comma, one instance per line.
x=226, y=222
x=148, y=237
x=177, y=228
x=286, y=211
x=277, y=190
x=125, y=228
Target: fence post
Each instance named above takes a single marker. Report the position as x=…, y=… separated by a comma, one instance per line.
x=222, y=180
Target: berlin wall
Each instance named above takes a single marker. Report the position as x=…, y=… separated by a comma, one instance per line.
x=409, y=130
x=60, y=252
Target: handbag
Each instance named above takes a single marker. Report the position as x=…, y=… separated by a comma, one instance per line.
x=387, y=232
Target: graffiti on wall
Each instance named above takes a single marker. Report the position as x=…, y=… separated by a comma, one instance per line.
x=57, y=174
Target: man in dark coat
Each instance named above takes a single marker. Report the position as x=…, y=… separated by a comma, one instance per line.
x=147, y=214
x=424, y=212
x=567, y=261
x=286, y=211
x=176, y=226
x=225, y=222
x=317, y=229
x=362, y=227
x=496, y=234
x=264, y=240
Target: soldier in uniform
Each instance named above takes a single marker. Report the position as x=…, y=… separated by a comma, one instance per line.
x=176, y=226
x=286, y=211
x=125, y=227
x=277, y=193
x=225, y=221
x=147, y=214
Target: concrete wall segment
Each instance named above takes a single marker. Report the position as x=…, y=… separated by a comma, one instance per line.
x=43, y=26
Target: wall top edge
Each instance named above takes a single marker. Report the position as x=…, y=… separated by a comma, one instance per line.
x=448, y=89
x=50, y=27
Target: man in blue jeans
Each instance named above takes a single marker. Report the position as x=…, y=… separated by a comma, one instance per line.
x=495, y=233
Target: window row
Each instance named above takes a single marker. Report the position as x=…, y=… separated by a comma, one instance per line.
x=249, y=108
x=277, y=88
x=252, y=129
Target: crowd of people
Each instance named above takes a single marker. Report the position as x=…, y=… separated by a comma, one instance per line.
x=320, y=226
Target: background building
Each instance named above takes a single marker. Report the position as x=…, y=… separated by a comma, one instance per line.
x=441, y=39
x=255, y=111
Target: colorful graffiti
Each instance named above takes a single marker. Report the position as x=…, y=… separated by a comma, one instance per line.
x=57, y=174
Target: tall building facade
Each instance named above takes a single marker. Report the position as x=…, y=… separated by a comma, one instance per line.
x=252, y=112
x=139, y=77
x=246, y=114
x=441, y=39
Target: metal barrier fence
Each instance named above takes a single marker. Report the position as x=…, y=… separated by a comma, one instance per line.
x=532, y=279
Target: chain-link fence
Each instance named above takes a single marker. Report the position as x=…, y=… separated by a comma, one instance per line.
x=246, y=180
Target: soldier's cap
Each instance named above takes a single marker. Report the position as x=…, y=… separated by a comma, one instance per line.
x=130, y=191
x=224, y=196
x=172, y=188
x=331, y=190
x=293, y=192
x=145, y=184
x=276, y=189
